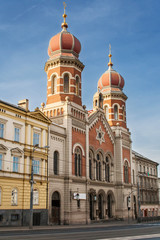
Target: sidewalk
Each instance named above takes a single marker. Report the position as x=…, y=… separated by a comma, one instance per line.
x=57, y=227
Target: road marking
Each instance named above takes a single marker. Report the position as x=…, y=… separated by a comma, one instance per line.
x=133, y=237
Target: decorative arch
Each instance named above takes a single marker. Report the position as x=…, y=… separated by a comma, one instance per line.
x=116, y=104
x=80, y=146
x=67, y=72
x=126, y=160
x=101, y=191
x=99, y=150
x=110, y=192
x=110, y=155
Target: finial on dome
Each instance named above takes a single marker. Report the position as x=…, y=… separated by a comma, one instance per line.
x=110, y=55
x=64, y=25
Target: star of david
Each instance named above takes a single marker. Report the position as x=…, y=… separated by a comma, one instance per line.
x=100, y=135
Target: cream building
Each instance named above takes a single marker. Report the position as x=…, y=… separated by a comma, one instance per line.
x=147, y=179
x=20, y=131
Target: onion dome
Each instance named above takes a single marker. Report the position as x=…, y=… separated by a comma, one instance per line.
x=64, y=43
x=110, y=78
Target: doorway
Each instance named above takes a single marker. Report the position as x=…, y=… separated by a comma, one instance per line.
x=100, y=206
x=109, y=203
x=56, y=208
x=91, y=202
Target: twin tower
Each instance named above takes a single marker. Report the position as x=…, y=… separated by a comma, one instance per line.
x=64, y=81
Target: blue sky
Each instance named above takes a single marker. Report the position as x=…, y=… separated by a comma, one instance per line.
x=132, y=28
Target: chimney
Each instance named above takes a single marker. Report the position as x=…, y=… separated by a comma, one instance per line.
x=24, y=104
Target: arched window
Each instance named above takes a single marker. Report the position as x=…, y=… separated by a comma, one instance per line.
x=78, y=162
x=66, y=83
x=77, y=86
x=126, y=180
x=116, y=112
x=53, y=85
x=96, y=103
x=55, y=162
x=99, y=167
x=35, y=197
x=123, y=113
x=107, y=112
x=107, y=170
x=90, y=164
x=14, y=197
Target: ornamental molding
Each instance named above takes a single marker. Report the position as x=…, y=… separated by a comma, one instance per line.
x=100, y=116
x=64, y=61
x=78, y=124
x=100, y=135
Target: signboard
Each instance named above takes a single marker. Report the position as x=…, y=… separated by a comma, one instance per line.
x=81, y=196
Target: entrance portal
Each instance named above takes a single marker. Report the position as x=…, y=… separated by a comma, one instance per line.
x=56, y=208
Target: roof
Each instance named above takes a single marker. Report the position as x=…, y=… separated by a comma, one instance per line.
x=144, y=158
x=12, y=105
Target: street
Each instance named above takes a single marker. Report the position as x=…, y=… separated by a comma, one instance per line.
x=102, y=232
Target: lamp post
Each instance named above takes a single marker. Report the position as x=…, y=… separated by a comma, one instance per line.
x=33, y=182
x=31, y=192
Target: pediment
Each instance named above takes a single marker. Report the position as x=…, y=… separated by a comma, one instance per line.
x=99, y=115
x=39, y=116
x=16, y=151
x=3, y=148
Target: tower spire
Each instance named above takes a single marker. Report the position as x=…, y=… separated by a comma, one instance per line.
x=64, y=25
x=110, y=55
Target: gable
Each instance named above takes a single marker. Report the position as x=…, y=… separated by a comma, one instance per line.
x=16, y=152
x=100, y=133
x=37, y=114
x=99, y=116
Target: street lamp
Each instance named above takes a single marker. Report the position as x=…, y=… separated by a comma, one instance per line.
x=31, y=193
x=33, y=182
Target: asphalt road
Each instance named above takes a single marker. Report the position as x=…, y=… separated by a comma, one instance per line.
x=126, y=232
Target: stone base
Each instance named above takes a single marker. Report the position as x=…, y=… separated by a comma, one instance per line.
x=20, y=217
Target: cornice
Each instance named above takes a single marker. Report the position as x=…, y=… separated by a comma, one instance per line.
x=63, y=61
